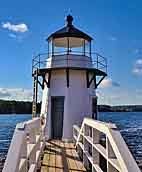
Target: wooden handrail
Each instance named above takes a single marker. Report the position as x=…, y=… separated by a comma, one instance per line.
x=116, y=152
x=26, y=147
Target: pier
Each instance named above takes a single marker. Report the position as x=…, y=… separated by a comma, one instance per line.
x=34, y=153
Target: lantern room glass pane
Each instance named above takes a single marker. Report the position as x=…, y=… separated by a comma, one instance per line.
x=76, y=46
x=60, y=46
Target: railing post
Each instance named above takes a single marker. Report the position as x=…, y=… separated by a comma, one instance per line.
x=86, y=147
x=24, y=154
x=38, y=147
x=39, y=61
x=32, y=142
x=42, y=135
x=74, y=134
x=97, y=60
x=95, y=153
x=110, y=155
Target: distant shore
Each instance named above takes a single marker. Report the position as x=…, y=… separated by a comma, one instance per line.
x=122, y=108
x=22, y=107
x=17, y=107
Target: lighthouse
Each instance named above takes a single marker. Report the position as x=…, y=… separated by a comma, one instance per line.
x=70, y=74
x=62, y=138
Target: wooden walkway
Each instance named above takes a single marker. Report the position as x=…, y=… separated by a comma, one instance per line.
x=61, y=156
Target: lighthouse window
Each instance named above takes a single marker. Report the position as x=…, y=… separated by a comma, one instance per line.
x=69, y=45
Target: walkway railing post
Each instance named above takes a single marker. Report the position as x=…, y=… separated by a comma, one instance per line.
x=24, y=154
x=86, y=146
x=32, y=142
x=110, y=154
x=38, y=147
x=95, y=153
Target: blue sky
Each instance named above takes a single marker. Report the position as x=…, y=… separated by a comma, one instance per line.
x=116, y=27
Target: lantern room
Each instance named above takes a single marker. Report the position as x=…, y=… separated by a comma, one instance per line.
x=69, y=40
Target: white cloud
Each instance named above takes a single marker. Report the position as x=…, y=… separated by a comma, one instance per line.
x=22, y=27
x=137, y=71
x=16, y=94
x=122, y=96
x=109, y=83
x=106, y=83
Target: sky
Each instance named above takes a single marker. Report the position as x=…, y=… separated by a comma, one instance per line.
x=116, y=27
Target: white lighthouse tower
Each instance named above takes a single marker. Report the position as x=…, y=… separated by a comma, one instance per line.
x=71, y=74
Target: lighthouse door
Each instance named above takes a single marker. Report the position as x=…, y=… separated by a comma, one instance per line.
x=57, y=112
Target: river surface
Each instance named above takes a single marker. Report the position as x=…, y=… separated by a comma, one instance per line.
x=129, y=123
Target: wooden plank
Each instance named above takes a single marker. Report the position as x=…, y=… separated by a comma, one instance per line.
x=46, y=157
x=79, y=164
x=64, y=158
x=59, y=164
x=61, y=156
x=44, y=169
x=53, y=147
x=52, y=163
x=71, y=161
x=78, y=161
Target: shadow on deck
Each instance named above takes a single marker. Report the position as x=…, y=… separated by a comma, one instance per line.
x=61, y=156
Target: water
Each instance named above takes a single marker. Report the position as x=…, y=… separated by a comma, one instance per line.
x=130, y=126
x=7, y=126
x=129, y=123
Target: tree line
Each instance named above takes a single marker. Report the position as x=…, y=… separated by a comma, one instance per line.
x=17, y=107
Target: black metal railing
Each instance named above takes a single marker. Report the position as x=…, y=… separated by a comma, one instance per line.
x=96, y=61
